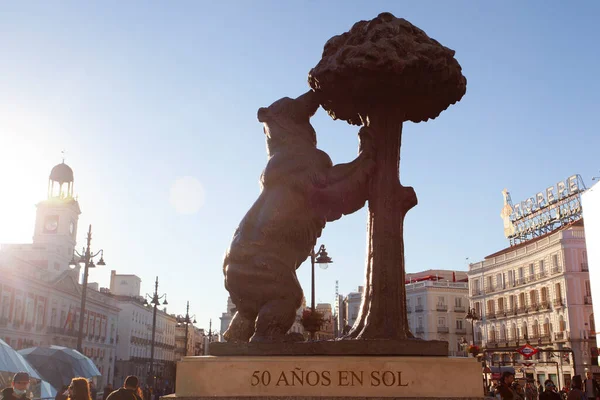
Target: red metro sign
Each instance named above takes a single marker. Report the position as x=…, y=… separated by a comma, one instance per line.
x=527, y=351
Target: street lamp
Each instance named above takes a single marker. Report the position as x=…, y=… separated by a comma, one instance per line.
x=155, y=301
x=86, y=257
x=187, y=320
x=472, y=316
x=321, y=258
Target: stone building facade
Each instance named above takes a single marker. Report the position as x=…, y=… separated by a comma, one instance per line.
x=537, y=292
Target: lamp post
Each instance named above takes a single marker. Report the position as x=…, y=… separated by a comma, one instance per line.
x=187, y=320
x=86, y=257
x=155, y=301
x=472, y=316
x=321, y=258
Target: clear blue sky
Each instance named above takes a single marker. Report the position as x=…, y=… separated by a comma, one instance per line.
x=143, y=93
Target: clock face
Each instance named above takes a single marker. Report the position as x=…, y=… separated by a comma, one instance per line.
x=71, y=227
x=51, y=224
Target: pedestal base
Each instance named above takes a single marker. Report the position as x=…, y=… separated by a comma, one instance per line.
x=331, y=377
x=373, y=347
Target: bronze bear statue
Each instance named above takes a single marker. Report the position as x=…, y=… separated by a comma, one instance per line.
x=301, y=190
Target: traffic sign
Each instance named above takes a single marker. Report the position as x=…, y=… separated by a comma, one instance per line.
x=527, y=351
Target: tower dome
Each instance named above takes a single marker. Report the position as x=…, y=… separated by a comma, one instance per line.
x=60, y=183
x=61, y=173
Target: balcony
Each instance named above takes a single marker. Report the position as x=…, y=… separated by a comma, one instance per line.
x=561, y=336
x=491, y=315
x=556, y=270
x=112, y=340
x=490, y=289
x=460, y=309
x=587, y=299
x=418, y=308
x=521, y=310
x=39, y=327
x=443, y=329
x=520, y=281
x=476, y=292
x=559, y=302
x=3, y=322
x=585, y=267
x=461, y=331
x=541, y=274
x=420, y=329
x=531, y=278
x=408, y=309
x=441, y=307
x=61, y=331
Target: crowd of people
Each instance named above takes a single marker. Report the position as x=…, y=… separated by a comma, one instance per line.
x=581, y=389
x=83, y=389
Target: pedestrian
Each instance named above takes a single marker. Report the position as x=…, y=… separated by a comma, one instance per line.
x=129, y=391
x=505, y=388
x=18, y=389
x=63, y=393
x=591, y=387
x=531, y=392
x=93, y=390
x=549, y=392
x=108, y=389
x=519, y=393
x=79, y=389
x=576, y=393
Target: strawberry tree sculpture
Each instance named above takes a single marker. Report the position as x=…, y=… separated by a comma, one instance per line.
x=380, y=74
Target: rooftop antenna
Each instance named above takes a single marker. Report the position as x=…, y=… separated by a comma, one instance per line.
x=596, y=178
x=63, y=153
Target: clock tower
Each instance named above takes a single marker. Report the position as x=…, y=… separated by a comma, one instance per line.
x=57, y=216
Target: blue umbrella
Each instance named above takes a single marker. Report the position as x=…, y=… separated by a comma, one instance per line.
x=47, y=391
x=58, y=365
x=11, y=361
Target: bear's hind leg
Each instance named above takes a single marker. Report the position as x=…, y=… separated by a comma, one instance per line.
x=274, y=320
x=240, y=329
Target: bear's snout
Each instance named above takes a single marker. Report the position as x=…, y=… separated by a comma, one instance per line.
x=263, y=114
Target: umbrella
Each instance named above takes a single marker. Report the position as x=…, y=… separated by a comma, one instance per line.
x=47, y=391
x=12, y=361
x=58, y=365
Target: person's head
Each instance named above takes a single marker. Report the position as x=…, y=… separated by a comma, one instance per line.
x=20, y=383
x=79, y=389
x=131, y=382
x=588, y=374
x=507, y=378
x=549, y=385
x=577, y=382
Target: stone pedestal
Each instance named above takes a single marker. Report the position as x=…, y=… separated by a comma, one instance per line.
x=330, y=377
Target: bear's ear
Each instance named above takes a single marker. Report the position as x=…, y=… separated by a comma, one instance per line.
x=263, y=114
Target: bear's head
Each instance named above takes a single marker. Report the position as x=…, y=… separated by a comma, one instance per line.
x=287, y=122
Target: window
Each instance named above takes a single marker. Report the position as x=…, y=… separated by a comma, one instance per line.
x=584, y=255
x=555, y=260
x=478, y=308
x=490, y=307
x=459, y=324
x=489, y=282
x=557, y=292
x=419, y=301
x=511, y=278
x=533, y=297
x=420, y=322
x=513, y=302
x=544, y=294
x=441, y=300
x=521, y=273
x=531, y=269
x=499, y=281
x=458, y=301
x=441, y=321
x=522, y=301
x=588, y=290
x=542, y=267
x=562, y=326
x=501, y=304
